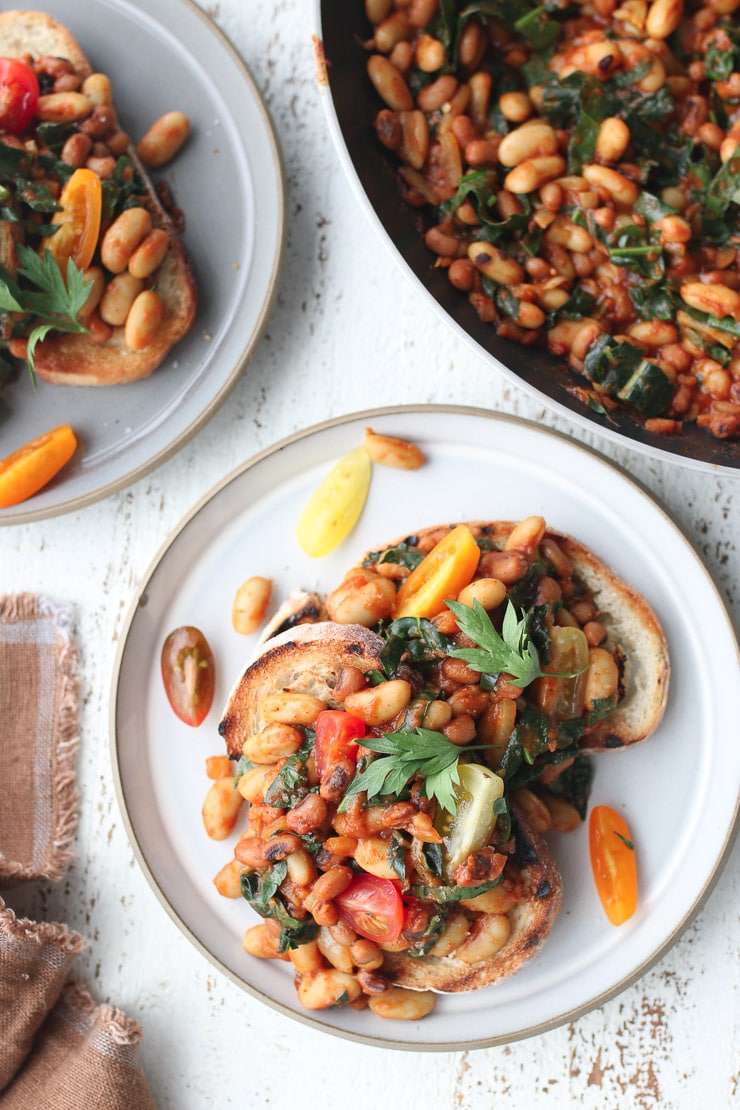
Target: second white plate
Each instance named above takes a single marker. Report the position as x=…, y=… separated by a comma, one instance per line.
x=228, y=181
x=678, y=790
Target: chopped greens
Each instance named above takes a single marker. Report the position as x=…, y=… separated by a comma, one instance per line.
x=414, y=637
x=620, y=369
x=262, y=891
x=446, y=894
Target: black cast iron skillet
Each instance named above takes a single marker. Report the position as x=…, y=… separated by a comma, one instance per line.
x=343, y=29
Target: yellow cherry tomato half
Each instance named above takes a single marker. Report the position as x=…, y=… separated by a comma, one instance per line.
x=335, y=507
x=440, y=576
x=613, y=863
x=29, y=468
x=78, y=221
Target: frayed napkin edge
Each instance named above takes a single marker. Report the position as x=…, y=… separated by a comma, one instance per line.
x=123, y=1031
x=26, y=606
x=43, y=933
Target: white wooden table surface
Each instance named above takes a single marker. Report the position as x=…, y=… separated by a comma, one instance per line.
x=349, y=332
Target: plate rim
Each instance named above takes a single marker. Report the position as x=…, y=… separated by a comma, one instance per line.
x=24, y=515
x=731, y=835
x=582, y=421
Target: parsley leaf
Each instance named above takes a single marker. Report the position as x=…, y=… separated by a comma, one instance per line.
x=408, y=753
x=54, y=305
x=511, y=652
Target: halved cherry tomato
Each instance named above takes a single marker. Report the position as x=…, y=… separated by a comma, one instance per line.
x=19, y=95
x=372, y=907
x=188, y=674
x=613, y=862
x=78, y=221
x=29, y=468
x=336, y=732
x=440, y=576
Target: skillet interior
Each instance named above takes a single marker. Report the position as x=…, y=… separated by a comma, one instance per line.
x=344, y=28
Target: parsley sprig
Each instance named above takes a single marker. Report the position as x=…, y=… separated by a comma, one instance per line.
x=510, y=652
x=407, y=754
x=53, y=304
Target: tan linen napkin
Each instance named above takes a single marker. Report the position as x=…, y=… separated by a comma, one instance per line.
x=34, y=964
x=38, y=739
x=59, y=1050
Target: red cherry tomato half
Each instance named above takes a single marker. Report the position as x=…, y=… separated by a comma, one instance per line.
x=613, y=863
x=336, y=732
x=373, y=908
x=19, y=95
x=188, y=674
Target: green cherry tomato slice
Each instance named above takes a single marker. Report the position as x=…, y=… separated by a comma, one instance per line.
x=188, y=674
x=470, y=828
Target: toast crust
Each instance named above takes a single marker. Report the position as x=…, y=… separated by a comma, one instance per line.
x=631, y=624
x=531, y=921
x=307, y=659
x=74, y=359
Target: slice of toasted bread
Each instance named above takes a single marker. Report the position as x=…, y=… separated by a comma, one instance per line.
x=633, y=626
x=39, y=34
x=629, y=620
x=74, y=359
x=308, y=660
x=531, y=920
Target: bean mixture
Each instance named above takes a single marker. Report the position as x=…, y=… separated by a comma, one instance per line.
x=580, y=167
x=348, y=878
x=75, y=127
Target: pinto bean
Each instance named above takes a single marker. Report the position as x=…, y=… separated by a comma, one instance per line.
x=144, y=320
x=163, y=139
x=261, y=941
x=228, y=880
x=307, y=815
x=118, y=297
x=319, y=990
x=150, y=253
x=63, y=107
x=291, y=708
x=221, y=809
x=123, y=237
x=97, y=88
x=364, y=597
x=76, y=149
x=488, y=935
x=389, y=83
x=250, y=603
x=507, y=566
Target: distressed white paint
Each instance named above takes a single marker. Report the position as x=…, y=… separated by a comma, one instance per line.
x=348, y=332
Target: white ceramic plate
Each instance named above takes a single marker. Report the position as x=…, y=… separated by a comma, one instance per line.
x=678, y=791
x=228, y=180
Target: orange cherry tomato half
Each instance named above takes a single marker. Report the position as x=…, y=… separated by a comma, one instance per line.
x=19, y=95
x=613, y=863
x=446, y=570
x=189, y=674
x=336, y=733
x=78, y=221
x=372, y=907
x=29, y=468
